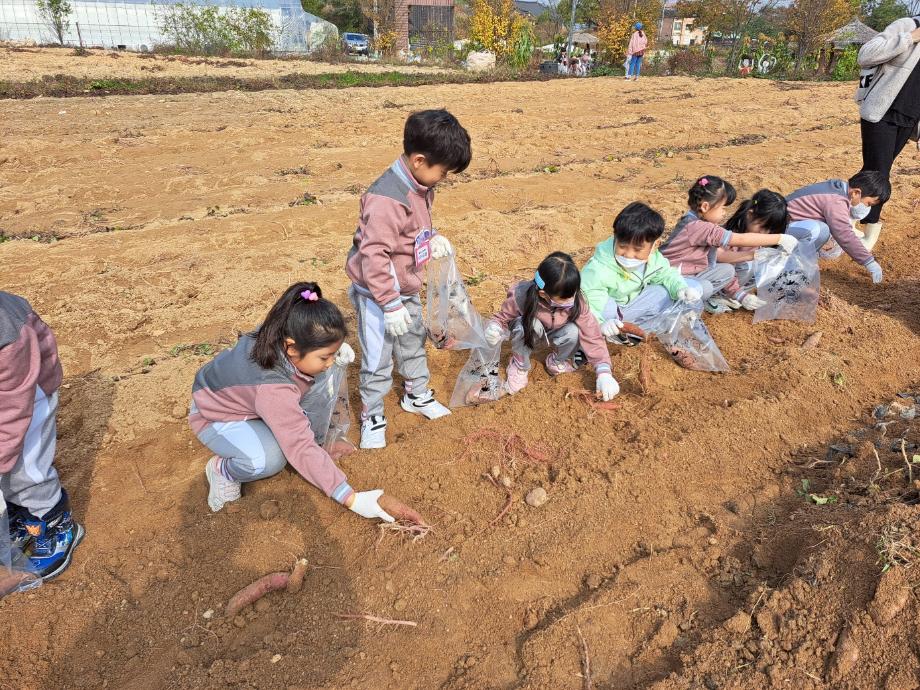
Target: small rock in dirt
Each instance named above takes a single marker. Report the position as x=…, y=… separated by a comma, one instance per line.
x=470, y=661
x=531, y=619
x=891, y=596
x=506, y=482
x=239, y=622
x=509, y=560
x=812, y=341
x=276, y=658
x=400, y=605
x=207, y=615
x=594, y=581
x=262, y=605
x=496, y=471
x=740, y=623
x=179, y=411
x=880, y=411
x=162, y=575
x=536, y=497
x=269, y=509
x=844, y=659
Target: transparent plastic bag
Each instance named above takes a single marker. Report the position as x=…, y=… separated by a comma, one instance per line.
x=681, y=330
x=330, y=412
x=480, y=380
x=789, y=283
x=451, y=319
x=16, y=574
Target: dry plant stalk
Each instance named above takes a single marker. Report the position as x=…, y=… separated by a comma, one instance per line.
x=585, y=661
x=374, y=619
x=590, y=399
x=645, y=373
x=508, y=501
x=512, y=448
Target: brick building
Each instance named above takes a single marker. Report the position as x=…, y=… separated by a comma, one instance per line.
x=421, y=23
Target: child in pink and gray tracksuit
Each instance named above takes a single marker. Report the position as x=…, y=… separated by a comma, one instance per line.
x=550, y=308
x=252, y=404
x=694, y=243
x=40, y=522
x=394, y=240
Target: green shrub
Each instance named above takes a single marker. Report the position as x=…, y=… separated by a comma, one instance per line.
x=209, y=30
x=846, y=68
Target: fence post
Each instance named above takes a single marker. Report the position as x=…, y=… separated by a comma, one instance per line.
x=79, y=35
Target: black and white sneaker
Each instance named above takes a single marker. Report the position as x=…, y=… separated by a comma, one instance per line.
x=374, y=432
x=424, y=404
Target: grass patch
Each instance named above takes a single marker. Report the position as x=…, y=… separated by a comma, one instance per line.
x=202, y=349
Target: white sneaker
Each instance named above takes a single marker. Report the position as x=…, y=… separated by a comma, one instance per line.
x=374, y=432
x=221, y=490
x=424, y=404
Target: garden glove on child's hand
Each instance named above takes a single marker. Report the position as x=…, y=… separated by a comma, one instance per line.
x=493, y=333
x=875, y=271
x=440, y=247
x=607, y=386
x=365, y=505
x=397, y=322
x=345, y=355
x=689, y=294
x=752, y=302
x=611, y=328
x=787, y=243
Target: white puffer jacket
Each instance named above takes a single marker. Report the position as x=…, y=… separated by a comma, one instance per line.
x=886, y=61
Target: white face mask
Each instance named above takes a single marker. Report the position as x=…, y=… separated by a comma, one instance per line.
x=860, y=211
x=630, y=264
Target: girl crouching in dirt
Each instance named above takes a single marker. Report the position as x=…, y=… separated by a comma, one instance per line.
x=763, y=213
x=551, y=308
x=251, y=405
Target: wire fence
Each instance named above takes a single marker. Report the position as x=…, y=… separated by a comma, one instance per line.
x=137, y=24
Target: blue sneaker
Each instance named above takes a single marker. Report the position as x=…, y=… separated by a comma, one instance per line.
x=19, y=535
x=53, y=541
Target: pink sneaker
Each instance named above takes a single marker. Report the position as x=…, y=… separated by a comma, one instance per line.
x=517, y=377
x=554, y=367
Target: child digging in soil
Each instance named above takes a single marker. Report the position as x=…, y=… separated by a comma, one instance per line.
x=696, y=240
x=394, y=240
x=627, y=280
x=551, y=308
x=823, y=213
x=41, y=525
x=251, y=405
x=764, y=213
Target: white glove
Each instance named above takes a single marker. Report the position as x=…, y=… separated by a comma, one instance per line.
x=345, y=355
x=752, y=302
x=493, y=333
x=787, y=243
x=689, y=294
x=397, y=322
x=875, y=271
x=440, y=247
x=607, y=386
x=611, y=328
x=365, y=505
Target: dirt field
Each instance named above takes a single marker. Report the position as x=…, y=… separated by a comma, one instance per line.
x=667, y=520
x=25, y=64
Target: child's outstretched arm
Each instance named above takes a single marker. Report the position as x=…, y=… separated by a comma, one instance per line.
x=756, y=239
x=594, y=346
x=723, y=256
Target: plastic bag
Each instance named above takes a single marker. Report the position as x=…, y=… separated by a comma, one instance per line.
x=788, y=283
x=479, y=381
x=681, y=330
x=16, y=574
x=451, y=319
x=326, y=403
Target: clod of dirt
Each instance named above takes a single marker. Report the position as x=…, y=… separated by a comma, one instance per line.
x=239, y=622
x=891, y=596
x=400, y=605
x=162, y=575
x=844, y=659
x=768, y=624
x=180, y=411
x=496, y=471
x=665, y=636
x=536, y=497
x=740, y=623
x=262, y=605
x=506, y=482
x=812, y=341
x=269, y=509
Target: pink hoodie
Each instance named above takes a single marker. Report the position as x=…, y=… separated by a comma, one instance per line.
x=637, y=43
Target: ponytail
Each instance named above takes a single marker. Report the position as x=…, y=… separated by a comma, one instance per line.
x=560, y=278
x=302, y=315
x=712, y=190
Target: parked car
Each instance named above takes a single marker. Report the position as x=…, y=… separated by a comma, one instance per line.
x=357, y=44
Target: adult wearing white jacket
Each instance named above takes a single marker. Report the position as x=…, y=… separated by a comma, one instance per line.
x=889, y=103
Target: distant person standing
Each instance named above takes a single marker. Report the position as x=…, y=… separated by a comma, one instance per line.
x=635, y=51
x=889, y=104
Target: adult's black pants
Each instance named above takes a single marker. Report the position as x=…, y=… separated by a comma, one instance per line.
x=881, y=144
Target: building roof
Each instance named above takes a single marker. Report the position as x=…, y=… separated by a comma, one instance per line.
x=855, y=33
x=579, y=37
x=534, y=9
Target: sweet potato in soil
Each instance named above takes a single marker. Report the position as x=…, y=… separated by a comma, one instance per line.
x=666, y=516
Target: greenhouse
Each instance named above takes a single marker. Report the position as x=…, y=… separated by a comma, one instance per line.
x=138, y=25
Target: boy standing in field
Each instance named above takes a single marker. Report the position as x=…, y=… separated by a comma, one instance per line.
x=394, y=240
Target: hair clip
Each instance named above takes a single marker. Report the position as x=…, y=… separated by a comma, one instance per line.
x=538, y=280
x=703, y=181
x=309, y=295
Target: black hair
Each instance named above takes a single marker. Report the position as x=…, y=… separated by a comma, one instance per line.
x=765, y=206
x=872, y=183
x=710, y=189
x=638, y=223
x=561, y=279
x=439, y=136
x=310, y=324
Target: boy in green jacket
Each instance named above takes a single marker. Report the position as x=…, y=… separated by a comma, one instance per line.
x=628, y=279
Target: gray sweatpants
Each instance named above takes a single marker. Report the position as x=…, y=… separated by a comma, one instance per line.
x=647, y=305
x=814, y=231
x=378, y=350
x=712, y=280
x=249, y=448
x=563, y=341
x=33, y=483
